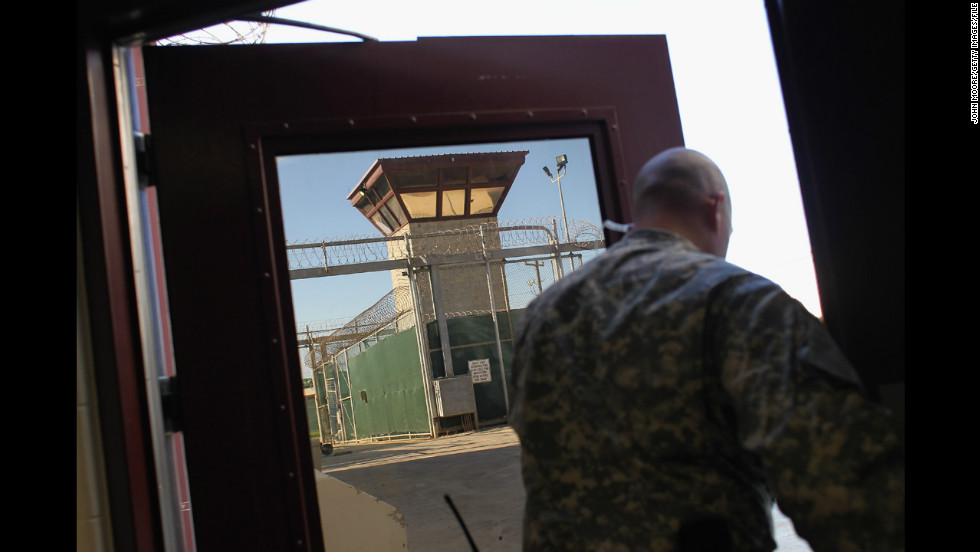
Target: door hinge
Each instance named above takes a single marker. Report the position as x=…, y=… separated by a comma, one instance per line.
x=173, y=419
x=145, y=164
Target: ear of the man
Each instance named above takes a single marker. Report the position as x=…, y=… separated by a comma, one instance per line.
x=714, y=211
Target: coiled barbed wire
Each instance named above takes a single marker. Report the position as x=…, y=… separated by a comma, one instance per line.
x=229, y=32
x=385, y=311
x=346, y=250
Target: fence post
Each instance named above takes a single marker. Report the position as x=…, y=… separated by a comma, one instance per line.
x=314, y=362
x=440, y=308
x=338, y=394
x=421, y=338
x=493, y=314
x=559, y=271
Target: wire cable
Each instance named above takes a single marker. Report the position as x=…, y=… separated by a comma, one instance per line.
x=259, y=18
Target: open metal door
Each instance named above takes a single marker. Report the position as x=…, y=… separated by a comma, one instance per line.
x=220, y=116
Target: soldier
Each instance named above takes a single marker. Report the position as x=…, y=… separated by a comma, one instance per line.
x=665, y=397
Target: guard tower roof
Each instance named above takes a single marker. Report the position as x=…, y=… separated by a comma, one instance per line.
x=397, y=191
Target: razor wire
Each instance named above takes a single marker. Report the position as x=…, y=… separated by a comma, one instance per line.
x=386, y=311
x=237, y=31
x=348, y=250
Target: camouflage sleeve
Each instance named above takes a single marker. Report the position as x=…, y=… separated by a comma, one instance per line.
x=832, y=458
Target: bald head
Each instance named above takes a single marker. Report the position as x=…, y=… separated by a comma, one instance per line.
x=683, y=191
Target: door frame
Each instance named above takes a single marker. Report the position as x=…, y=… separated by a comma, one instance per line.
x=223, y=238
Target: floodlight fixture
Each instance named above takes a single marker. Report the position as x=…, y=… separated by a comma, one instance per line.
x=562, y=161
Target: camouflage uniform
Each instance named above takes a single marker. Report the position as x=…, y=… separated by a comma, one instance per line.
x=661, y=393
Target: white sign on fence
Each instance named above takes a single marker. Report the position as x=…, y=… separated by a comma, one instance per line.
x=480, y=370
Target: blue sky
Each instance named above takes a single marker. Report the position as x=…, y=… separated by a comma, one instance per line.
x=314, y=188
x=310, y=183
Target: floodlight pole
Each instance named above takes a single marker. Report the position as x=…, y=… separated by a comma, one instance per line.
x=560, y=173
x=561, y=199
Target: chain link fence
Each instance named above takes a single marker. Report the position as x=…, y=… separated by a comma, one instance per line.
x=463, y=311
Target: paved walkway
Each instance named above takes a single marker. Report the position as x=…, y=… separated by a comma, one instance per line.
x=480, y=471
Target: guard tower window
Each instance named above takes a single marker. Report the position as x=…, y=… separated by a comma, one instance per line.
x=485, y=200
x=453, y=203
x=419, y=204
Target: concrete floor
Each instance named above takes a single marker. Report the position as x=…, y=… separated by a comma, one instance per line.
x=480, y=471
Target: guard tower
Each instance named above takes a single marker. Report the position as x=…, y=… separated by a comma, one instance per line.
x=433, y=355
x=439, y=201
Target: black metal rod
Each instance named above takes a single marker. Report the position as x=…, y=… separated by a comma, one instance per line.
x=259, y=18
x=463, y=525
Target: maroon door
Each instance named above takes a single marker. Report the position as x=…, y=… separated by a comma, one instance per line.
x=220, y=116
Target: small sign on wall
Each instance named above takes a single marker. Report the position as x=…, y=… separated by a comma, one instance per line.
x=480, y=370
